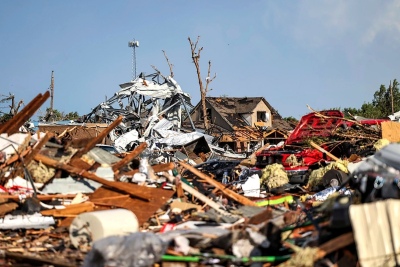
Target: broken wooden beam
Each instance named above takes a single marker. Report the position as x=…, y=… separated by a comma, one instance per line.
x=129, y=157
x=40, y=197
x=143, y=210
x=97, y=140
x=14, y=119
x=38, y=260
x=318, y=253
x=26, y=114
x=120, y=186
x=29, y=157
x=73, y=209
x=157, y=168
x=227, y=192
x=15, y=158
x=334, y=244
x=37, y=147
x=201, y=197
x=324, y=151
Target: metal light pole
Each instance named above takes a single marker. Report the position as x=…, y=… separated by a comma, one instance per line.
x=133, y=44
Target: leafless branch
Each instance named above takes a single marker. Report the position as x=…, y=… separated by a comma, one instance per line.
x=193, y=46
x=209, y=79
x=169, y=64
x=203, y=91
x=158, y=72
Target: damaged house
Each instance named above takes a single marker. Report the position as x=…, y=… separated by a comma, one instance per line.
x=241, y=123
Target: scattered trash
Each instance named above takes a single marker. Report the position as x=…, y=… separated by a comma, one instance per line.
x=132, y=185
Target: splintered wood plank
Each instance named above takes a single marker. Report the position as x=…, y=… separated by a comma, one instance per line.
x=142, y=209
x=15, y=157
x=120, y=186
x=73, y=209
x=29, y=157
x=128, y=158
x=66, y=222
x=96, y=140
x=261, y=217
x=26, y=114
x=7, y=207
x=80, y=163
x=16, y=118
x=227, y=192
x=162, y=167
x=5, y=197
x=38, y=260
x=335, y=244
x=37, y=147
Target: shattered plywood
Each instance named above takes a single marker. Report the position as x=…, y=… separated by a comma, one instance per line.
x=143, y=210
x=7, y=207
x=75, y=132
x=391, y=131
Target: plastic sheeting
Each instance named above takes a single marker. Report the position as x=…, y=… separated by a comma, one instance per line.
x=170, y=137
x=134, y=250
x=251, y=187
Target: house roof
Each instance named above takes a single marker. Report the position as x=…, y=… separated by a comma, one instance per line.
x=239, y=104
x=282, y=125
x=231, y=107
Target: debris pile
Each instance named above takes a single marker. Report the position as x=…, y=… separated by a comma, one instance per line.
x=171, y=198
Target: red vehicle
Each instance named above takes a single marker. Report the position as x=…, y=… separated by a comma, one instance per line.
x=312, y=125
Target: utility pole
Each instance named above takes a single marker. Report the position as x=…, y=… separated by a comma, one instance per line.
x=52, y=92
x=391, y=95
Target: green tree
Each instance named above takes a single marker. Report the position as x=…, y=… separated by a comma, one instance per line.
x=4, y=117
x=385, y=102
x=393, y=95
x=349, y=112
x=291, y=120
x=55, y=115
x=369, y=110
x=71, y=116
x=380, y=101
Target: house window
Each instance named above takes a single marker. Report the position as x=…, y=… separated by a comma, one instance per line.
x=202, y=114
x=262, y=116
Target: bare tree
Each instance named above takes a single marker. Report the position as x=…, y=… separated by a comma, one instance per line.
x=203, y=90
x=169, y=64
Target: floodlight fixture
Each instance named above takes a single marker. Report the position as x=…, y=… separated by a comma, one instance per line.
x=133, y=44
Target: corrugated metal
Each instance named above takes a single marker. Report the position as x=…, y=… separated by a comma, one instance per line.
x=163, y=124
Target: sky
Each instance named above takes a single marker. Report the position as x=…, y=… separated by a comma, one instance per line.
x=325, y=53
